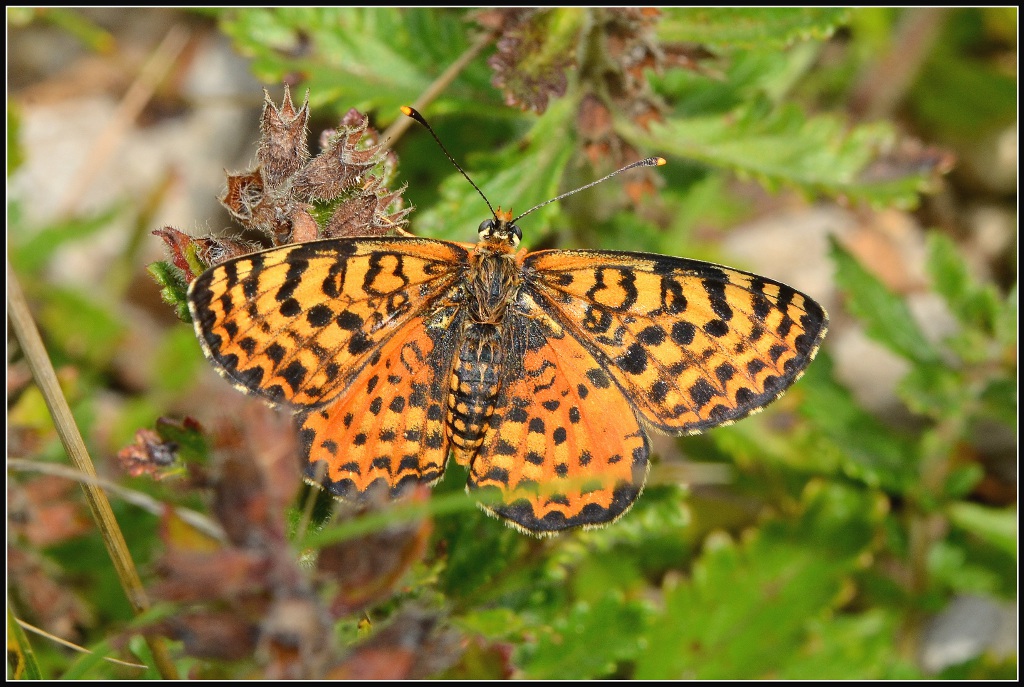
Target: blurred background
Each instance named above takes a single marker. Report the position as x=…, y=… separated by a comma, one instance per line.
x=864, y=526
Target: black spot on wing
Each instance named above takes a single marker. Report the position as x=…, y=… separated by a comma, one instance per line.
x=702, y=392
x=716, y=328
x=683, y=333
x=296, y=268
x=348, y=320
x=633, y=361
x=652, y=335
x=290, y=308
x=294, y=375
x=717, y=299
x=725, y=372
x=275, y=352
x=599, y=378
x=319, y=315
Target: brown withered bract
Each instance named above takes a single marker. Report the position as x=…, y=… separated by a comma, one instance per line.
x=610, y=51
x=279, y=197
x=149, y=453
x=342, y=164
x=283, y=149
x=207, y=250
x=526, y=81
x=367, y=568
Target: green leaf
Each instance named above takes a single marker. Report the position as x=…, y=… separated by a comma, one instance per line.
x=654, y=537
x=864, y=646
x=886, y=317
x=367, y=58
x=974, y=305
x=957, y=94
x=950, y=567
x=479, y=550
x=177, y=360
x=744, y=613
x=588, y=642
x=962, y=480
x=750, y=27
x=82, y=667
x=21, y=659
x=32, y=251
x=781, y=145
x=997, y=526
x=492, y=623
x=173, y=289
x=81, y=326
x=865, y=448
x=934, y=390
x=15, y=152
x=999, y=399
x=193, y=446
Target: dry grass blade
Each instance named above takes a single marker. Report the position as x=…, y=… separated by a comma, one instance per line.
x=144, y=501
x=42, y=371
x=71, y=645
x=139, y=93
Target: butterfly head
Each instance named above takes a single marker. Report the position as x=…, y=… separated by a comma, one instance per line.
x=500, y=230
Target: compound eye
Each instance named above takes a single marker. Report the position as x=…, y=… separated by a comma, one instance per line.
x=485, y=226
x=517, y=234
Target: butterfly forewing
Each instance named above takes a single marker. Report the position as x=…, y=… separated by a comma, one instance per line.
x=296, y=324
x=692, y=345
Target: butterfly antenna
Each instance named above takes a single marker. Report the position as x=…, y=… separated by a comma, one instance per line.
x=649, y=162
x=409, y=112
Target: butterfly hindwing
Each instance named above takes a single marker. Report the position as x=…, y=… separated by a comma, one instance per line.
x=693, y=345
x=386, y=431
x=564, y=448
x=296, y=324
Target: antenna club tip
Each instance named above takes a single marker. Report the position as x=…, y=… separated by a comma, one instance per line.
x=406, y=110
x=659, y=161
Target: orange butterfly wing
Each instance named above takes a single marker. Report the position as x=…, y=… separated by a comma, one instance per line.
x=387, y=430
x=356, y=334
x=359, y=335
x=693, y=345
x=296, y=324
x=561, y=450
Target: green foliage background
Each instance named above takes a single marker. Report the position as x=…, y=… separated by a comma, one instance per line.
x=853, y=530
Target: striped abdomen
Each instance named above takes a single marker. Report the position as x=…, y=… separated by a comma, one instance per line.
x=475, y=383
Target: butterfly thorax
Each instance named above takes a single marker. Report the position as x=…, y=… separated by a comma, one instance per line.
x=493, y=279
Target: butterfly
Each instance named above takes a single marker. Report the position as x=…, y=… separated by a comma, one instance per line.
x=542, y=372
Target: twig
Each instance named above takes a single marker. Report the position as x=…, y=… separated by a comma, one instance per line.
x=884, y=83
x=136, y=498
x=400, y=125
